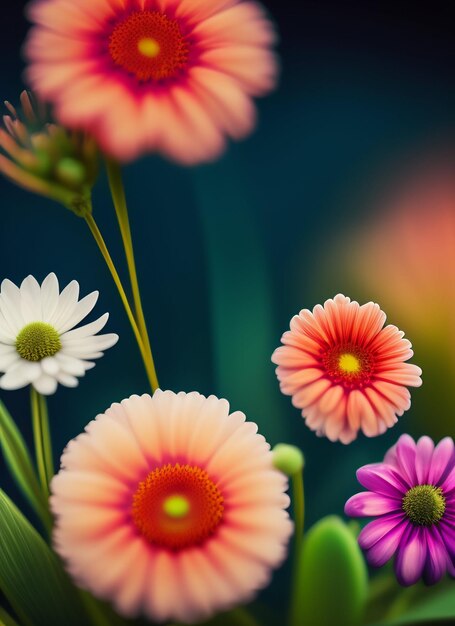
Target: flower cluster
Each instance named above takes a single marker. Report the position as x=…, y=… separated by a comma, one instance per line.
x=168, y=505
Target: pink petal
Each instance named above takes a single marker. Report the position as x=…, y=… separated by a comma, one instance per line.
x=382, y=479
x=443, y=457
x=368, y=504
x=411, y=556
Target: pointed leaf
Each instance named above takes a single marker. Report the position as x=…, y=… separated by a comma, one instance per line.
x=19, y=462
x=439, y=607
x=31, y=577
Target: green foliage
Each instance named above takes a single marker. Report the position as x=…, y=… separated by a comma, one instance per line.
x=331, y=577
x=440, y=606
x=31, y=577
x=21, y=467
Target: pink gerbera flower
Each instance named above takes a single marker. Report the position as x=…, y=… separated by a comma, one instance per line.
x=174, y=76
x=413, y=495
x=345, y=370
x=170, y=506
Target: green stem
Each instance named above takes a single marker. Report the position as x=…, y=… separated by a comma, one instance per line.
x=118, y=283
x=298, y=502
x=41, y=434
x=299, y=511
x=47, y=440
x=119, y=200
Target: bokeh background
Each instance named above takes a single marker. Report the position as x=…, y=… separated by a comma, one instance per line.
x=347, y=185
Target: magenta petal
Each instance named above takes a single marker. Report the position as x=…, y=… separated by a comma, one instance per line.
x=411, y=556
x=368, y=504
x=384, y=549
x=406, y=455
x=448, y=485
x=447, y=530
x=391, y=458
x=374, y=531
x=382, y=479
x=442, y=461
x=425, y=447
x=437, y=557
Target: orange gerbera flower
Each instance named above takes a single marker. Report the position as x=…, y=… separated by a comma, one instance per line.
x=345, y=370
x=171, y=76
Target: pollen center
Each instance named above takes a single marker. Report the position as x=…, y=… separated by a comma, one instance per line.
x=424, y=505
x=177, y=506
x=38, y=340
x=349, y=363
x=150, y=46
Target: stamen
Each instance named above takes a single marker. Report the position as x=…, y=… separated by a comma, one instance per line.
x=38, y=340
x=424, y=505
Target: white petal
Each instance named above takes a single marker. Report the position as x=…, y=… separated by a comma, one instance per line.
x=67, y=380
x=66, y=304
x=50, y=366
x=7, y=336
x=79, y=353
x=81, y=310
x=46, y=385
x=71, y=365
x=88, y=329
x=91, y=344
x=31, y=300
x=20, y=374
x=8, y=359
x=49, y=296
x=10, y=305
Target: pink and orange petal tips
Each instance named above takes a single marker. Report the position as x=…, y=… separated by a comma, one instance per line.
x=345, y=370
x=174, y=77
x=171, y=507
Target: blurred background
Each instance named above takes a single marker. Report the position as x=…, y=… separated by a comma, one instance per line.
x=347, y=186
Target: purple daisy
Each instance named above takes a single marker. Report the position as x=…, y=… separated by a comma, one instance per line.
x=412, y=493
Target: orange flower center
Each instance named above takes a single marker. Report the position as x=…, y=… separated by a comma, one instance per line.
x=177, y=506
x=348, y=365
x=149, y=45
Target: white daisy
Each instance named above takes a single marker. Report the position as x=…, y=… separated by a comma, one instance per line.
x=37, y=343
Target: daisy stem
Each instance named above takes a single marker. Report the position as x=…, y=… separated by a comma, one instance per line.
x=41, y=434
x=121, y=209
x=118, y=283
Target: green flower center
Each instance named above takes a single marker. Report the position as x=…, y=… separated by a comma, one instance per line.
x=38, y=340
x=424, y=505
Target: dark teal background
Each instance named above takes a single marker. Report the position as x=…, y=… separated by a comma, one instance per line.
x=227, y=253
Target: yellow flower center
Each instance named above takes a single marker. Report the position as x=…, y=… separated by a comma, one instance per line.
x=177, y=506
x=38, y=340
x=349, y=364
x=149, y=47
x=424, y=505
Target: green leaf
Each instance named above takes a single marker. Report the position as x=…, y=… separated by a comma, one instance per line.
x=18, y=459
x=6, y=619
x=31, y=577
x=331, y=585
x=440, y=606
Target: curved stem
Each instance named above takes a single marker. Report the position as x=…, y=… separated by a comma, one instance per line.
x=41, y=435
x=121, y=210
x=118, y=283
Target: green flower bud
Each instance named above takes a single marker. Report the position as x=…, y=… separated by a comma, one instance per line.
x=288, y=459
